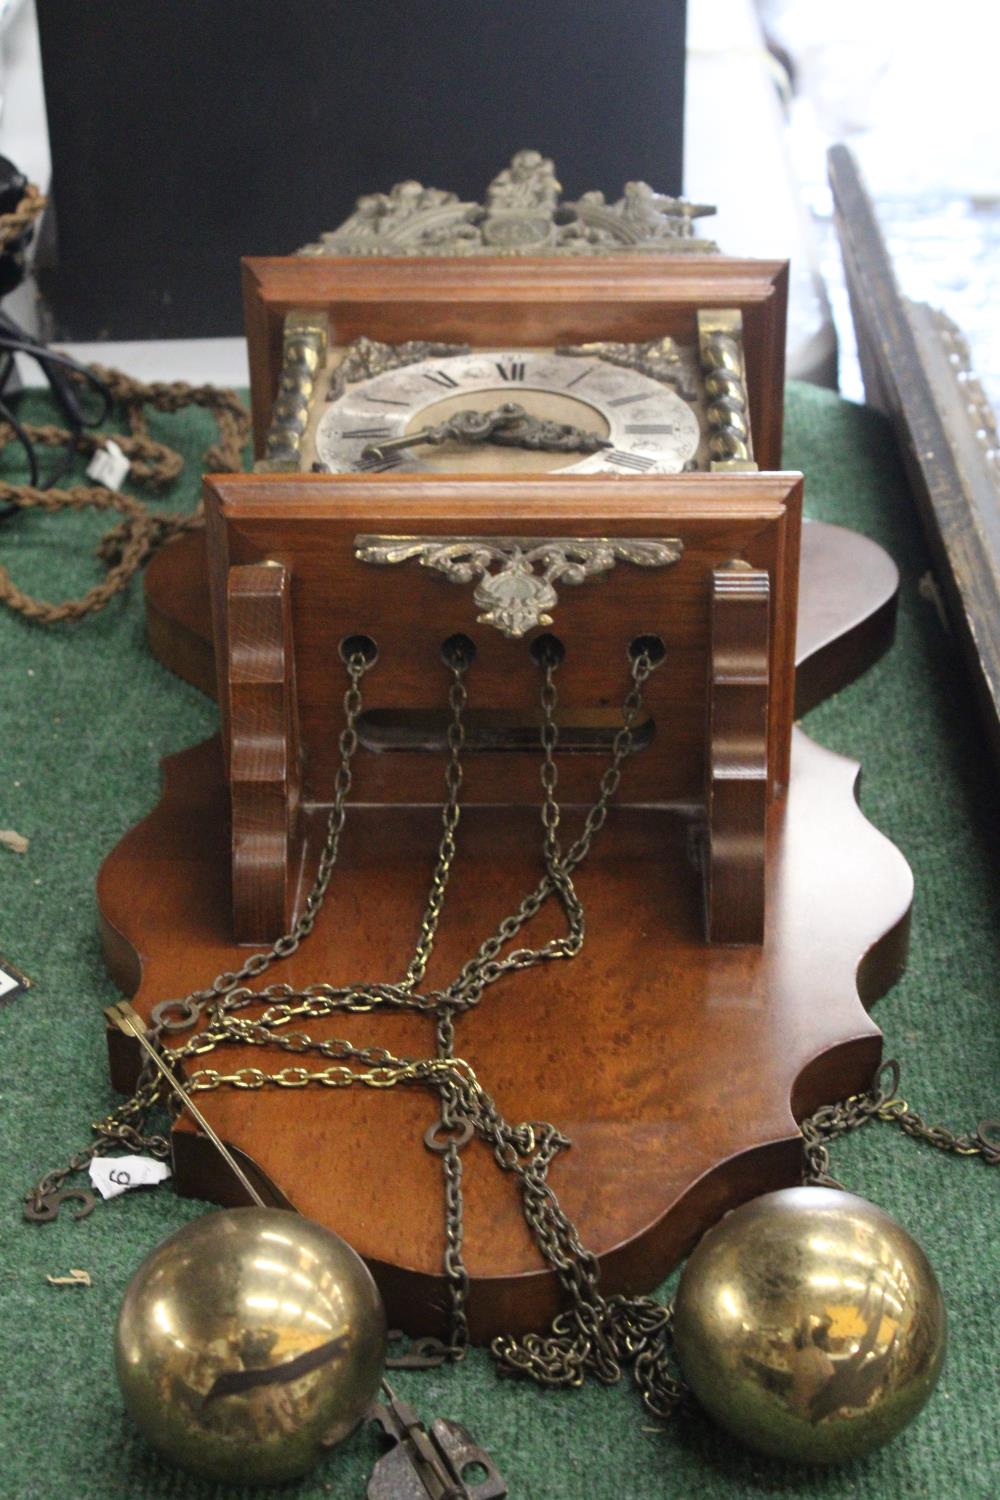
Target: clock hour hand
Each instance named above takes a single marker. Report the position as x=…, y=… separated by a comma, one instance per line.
x=550, y=437
x=509, y=425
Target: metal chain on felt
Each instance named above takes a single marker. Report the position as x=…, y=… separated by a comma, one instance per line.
x=882, y=1102
x=128, y=545
x=459, y=1115
x=595, y=1334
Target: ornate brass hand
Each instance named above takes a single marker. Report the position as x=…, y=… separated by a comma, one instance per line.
x=508, y=425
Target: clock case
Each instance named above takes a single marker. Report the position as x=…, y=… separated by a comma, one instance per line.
x=493, y=303
x=488, y=301
x=527, y=302
x=742, y=913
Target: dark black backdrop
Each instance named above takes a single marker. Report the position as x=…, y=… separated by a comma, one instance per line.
x=186, y=133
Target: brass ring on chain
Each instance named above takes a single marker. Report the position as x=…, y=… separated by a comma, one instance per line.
x=174, y=1015
x=438, y=1138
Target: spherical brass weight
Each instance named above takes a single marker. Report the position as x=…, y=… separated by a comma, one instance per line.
x=248, y=1343
x=810, y=1325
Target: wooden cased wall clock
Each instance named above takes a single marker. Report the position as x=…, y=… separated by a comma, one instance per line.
x=654, y=309
x=567, y=458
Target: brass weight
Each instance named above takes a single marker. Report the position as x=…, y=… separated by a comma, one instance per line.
x=810, y=1325
x=248, y=1342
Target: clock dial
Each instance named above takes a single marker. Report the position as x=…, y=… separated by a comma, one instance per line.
x=648, y=427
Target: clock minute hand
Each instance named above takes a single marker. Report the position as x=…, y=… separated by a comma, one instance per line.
x=509, y=425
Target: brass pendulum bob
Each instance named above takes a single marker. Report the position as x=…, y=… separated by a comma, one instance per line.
x=810, y=1325
x=248, y=1343
x=252, y=1339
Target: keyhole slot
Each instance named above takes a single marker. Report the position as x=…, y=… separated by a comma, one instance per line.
x=458, y=651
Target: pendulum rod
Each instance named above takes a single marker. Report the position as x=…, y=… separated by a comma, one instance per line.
x=128, y=1020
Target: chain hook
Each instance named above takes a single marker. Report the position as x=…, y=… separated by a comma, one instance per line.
x=426, y=1353
x=43, y=1208
x=883, y=1093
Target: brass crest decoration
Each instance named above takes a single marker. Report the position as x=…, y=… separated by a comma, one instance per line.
x=517, y=596
x=524, y=214
x=661, y=359
x=720, y=351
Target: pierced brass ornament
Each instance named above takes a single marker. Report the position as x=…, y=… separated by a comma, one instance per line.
x=515, y=577
x=524, y=213
x=810, y=1325
x=248, y=1343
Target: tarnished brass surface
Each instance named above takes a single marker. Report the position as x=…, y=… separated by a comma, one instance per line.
x=304, y=344
x=524, y=213
x=516, y=597
x=248, y=1342
x=720, y=346
x=810, y=1324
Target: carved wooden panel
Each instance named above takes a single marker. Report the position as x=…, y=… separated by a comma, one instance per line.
x=264, y=749
x=916, y=369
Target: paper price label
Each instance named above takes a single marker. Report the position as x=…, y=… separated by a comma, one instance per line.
x=112, y=1175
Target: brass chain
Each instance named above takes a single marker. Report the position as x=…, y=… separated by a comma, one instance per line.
x=122, y=1127
x=450, y=813
x=596, y=1333
x=178, y=1015
x=882, y=1102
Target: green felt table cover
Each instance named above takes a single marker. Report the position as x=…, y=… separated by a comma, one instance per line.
x=86, y=714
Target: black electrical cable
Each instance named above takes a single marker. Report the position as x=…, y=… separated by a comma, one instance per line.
x=13, y=340
x=58, y=369
x=24, y=344
x=29, y=449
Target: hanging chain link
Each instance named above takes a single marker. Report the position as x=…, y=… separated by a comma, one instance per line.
x=123, y=1127
x=450, y=813
x=178, y=1015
